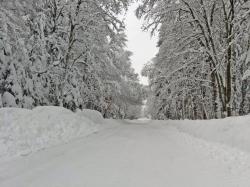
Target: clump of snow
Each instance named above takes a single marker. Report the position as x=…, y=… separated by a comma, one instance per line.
x=8, y=100
x=233, y=131
x=246, y=75
x=93, y=115
x=25, y=131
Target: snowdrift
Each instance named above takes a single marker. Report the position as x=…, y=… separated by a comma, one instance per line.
x=233, y=131
x=93, y=115
x=25, y=131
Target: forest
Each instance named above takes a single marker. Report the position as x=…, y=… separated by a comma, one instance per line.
x=67, y=53
x=72, y=53
x=202, y=69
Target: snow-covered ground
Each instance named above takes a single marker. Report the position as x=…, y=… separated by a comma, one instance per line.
x=141, y=153
x=25, y=131
x=234, y=131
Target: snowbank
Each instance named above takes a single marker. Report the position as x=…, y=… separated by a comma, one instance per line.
x=25, y=131
x=93, y=115
x=233, y=131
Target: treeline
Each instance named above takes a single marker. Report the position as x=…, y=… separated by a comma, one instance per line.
x=67, y=53
x=202, y=69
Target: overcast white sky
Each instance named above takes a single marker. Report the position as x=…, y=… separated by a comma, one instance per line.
x=139, y=42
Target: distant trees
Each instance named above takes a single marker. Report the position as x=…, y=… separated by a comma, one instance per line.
x=201, y=70
x=66, y=53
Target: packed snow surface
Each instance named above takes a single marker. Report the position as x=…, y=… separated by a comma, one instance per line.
x=141, y=153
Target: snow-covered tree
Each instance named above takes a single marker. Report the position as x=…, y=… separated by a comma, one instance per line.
x=67, y=53
x=14, y=59
x=198, y=70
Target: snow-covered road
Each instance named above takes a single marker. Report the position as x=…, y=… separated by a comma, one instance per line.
x=133, y=154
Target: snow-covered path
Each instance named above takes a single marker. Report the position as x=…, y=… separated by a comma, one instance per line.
x=138, y=154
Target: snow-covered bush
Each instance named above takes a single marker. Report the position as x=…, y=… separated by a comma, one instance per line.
x=93, y=115
x=8, y=100
x=1, y=103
